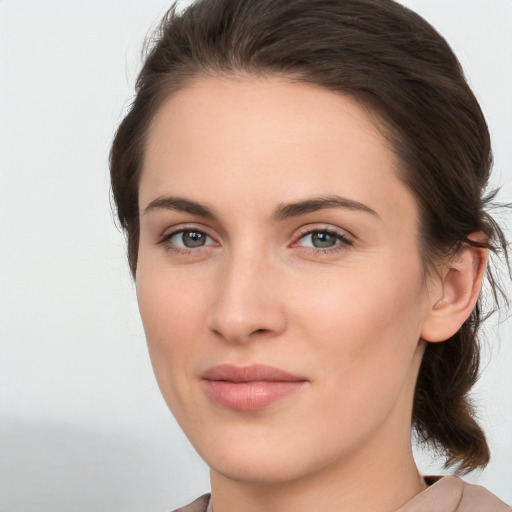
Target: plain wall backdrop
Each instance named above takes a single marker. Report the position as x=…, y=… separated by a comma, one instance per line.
x=83, y=426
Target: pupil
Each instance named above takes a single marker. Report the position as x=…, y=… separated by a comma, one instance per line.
x=322, y=240
x=193, y=239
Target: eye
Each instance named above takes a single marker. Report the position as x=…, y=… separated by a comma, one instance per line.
x=186, y=239
x=189, y=239
x=323, y=240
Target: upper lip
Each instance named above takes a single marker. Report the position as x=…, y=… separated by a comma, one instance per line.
x=251, y=373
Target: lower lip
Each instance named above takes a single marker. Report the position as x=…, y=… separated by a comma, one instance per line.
x=249, y=396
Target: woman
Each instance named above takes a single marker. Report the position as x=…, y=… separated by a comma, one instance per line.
x=302, y=187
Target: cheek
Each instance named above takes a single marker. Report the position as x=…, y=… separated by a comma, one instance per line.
x=367, y=327
x=170, y=302
x=173, y=316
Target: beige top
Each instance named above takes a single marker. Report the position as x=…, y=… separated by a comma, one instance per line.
x=444, y=494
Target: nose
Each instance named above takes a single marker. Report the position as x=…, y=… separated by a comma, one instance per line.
x=247, y=301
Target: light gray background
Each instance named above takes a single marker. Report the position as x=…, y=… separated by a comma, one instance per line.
x=83, y=427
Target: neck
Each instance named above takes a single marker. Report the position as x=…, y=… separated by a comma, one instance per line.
x=379, y=480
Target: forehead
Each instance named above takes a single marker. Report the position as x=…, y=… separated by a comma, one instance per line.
x=263, y=114
x=258, y=139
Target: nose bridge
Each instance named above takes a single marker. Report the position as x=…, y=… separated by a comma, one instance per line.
x=245, y=301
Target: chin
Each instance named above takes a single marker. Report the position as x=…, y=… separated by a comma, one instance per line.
x=258, y=470
x=266, y=458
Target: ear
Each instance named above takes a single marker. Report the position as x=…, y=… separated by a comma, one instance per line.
x=453, y=296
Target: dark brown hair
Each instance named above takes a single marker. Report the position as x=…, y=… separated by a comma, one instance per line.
x=402, y=70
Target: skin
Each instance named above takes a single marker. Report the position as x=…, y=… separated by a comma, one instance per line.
x=352, y=320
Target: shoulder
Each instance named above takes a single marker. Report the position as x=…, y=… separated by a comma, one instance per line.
x=199, y=505
x=452, y=494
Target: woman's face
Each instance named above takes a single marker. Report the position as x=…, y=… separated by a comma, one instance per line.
x=275, y=232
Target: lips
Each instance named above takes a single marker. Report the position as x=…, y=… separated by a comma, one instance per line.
x=249, y=388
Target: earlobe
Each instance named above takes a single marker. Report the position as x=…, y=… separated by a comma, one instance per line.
x=456, y=292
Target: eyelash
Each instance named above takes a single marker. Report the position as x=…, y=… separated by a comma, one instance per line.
x=165, y=239
x=342, y=241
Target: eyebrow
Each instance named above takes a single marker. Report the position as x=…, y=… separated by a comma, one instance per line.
x=180, y=204
x=282, y=212
x=314, y=204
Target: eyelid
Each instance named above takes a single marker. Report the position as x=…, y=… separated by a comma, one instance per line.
x=187, y=226
x=328, y=228
x=345, y=238
x=170, y=232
